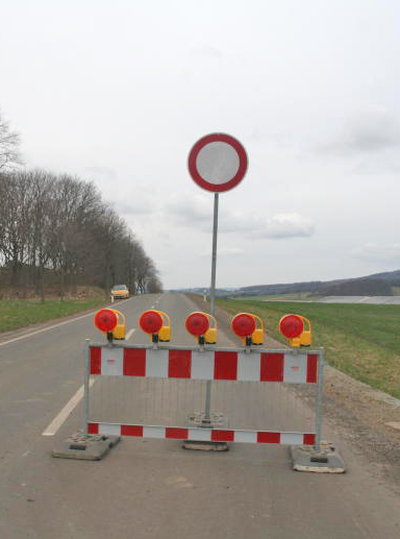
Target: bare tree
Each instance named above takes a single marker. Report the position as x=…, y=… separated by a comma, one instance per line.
x=15, y=217
x=9, y=145
x=56, y=229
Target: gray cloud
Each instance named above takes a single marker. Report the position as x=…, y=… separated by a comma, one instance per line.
x=191, y=210
x=135, y=206
x=372, y=252
x=286, y=225
x=197, y=212
x=102, y=173
x=210, y=52
x=368, y=132
x=230, y=251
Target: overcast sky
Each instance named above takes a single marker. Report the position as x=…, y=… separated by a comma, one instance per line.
x=117, y=93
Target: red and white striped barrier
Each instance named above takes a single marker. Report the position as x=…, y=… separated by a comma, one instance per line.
x=257, y=366
x=203, y=434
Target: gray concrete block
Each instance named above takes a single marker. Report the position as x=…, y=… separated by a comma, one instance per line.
x=90, y=447
x=326, y=460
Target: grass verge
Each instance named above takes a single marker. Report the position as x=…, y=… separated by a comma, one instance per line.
x=15, y=314
x=360, y=340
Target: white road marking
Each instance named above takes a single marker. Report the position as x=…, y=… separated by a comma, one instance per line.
x=50, y=327
x=53, y=427
x=129, y=334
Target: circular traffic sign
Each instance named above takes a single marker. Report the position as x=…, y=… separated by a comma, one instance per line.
x=217, y=162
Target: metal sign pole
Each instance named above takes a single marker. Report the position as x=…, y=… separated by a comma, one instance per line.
x=85, y=408
x=212, y=291
x=217, y=163
x=214, y=255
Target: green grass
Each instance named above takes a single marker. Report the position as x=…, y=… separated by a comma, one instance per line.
x=288, y=296
x=361, y=340
x=19, y=313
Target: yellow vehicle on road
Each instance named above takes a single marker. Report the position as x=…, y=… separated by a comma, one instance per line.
x=120, y=291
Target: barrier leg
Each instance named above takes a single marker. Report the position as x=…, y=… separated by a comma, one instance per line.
x=82, y=445
x=86, y=389
x=318, y=404
x=323, y=456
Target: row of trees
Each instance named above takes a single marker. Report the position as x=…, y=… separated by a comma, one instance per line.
x=56, y=229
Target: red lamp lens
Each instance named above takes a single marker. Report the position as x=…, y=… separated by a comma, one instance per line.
x=105, y=320
x=291, y=326
x=151, y=322
x=243, y=325
x=197, y=324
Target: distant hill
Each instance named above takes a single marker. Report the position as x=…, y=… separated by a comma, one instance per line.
x=358, y=287
x=378, y=284
x=392, y=276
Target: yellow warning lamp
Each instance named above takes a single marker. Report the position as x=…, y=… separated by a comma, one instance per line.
x=296, y=329
x=249, y=327
x=157, y=325
x=198, y=325
x=106, y=320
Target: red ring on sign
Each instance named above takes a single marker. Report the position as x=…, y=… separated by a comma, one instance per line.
x=291, y=326
x=105, y=320
x=151, y=322
x=217, y=137
x=243, y=325
x=197, y=324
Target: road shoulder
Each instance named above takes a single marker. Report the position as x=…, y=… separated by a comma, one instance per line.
x=356, y=412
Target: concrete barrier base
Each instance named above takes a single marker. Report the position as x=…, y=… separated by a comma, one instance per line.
x=81, y=447
x=307, y=459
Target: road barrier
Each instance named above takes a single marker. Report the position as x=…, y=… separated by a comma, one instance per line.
x=163, y=385
x=180, y=365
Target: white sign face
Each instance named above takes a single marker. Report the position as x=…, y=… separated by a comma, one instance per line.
x=218, y=162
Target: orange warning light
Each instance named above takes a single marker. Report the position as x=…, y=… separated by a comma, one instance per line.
x=105, y=320
x=296, y=329
x=198, y=325
x=151, y=321
x=157, y=325
x=244, y=325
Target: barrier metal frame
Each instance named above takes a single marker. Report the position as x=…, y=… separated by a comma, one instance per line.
x=210, y=348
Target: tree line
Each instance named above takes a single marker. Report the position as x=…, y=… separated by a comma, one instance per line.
x=57, y=230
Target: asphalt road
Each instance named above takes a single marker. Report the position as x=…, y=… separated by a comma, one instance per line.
x=154, y=488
